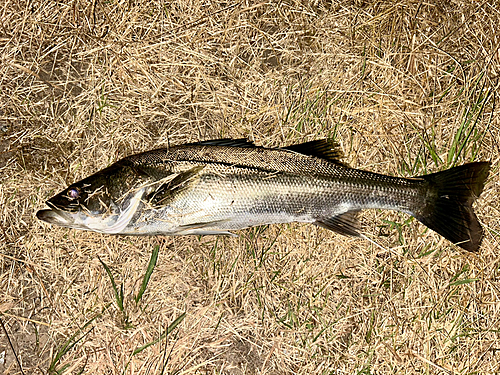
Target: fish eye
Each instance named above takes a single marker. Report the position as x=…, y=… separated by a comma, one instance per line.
x=73, y=193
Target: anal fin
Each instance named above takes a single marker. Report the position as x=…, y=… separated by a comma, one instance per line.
x=346, y=223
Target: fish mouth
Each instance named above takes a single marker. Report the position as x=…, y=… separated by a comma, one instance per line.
x=55, y=216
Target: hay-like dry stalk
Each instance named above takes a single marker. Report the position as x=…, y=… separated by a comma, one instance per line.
x=399, y=84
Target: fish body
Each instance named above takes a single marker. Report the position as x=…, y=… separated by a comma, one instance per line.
x=215, y=187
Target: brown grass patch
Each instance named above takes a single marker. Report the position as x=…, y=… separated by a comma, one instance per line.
x=83, y=84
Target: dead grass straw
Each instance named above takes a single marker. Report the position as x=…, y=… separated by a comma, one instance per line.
x=398, y=84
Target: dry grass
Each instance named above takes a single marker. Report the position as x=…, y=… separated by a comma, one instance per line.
x=406, y=87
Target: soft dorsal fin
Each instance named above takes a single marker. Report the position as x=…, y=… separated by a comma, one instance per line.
x=346, y=223
x=322, y=148
x=228, y=142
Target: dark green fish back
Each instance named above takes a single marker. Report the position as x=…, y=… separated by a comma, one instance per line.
x=267, y=160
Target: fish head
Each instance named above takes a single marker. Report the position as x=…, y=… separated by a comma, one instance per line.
x=104, y=202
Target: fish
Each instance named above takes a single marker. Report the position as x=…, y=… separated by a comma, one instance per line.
x=219, y=186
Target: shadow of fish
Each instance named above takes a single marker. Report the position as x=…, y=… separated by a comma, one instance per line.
x=214, y=187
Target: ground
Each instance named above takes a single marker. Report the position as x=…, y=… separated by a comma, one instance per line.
x=406, y=88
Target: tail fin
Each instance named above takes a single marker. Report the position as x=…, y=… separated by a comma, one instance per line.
x=448, y=209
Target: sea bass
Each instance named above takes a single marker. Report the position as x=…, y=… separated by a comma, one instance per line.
x=214, y=187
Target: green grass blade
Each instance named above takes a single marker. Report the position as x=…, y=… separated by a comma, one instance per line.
x=468, y=136
x=170, y=328
x=462, y=282
x=149, y=272
x=68, y=345
x=118, y=294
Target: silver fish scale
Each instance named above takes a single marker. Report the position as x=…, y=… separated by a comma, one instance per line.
x=216, y=186
x=240, y=187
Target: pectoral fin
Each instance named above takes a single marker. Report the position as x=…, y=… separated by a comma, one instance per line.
x=165, y=191
x=204, y=228
x=346, y=223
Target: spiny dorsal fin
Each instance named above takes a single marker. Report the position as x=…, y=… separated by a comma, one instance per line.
x=166, y=190
x=228, y=142
x=322, y=148
x=346, y=223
